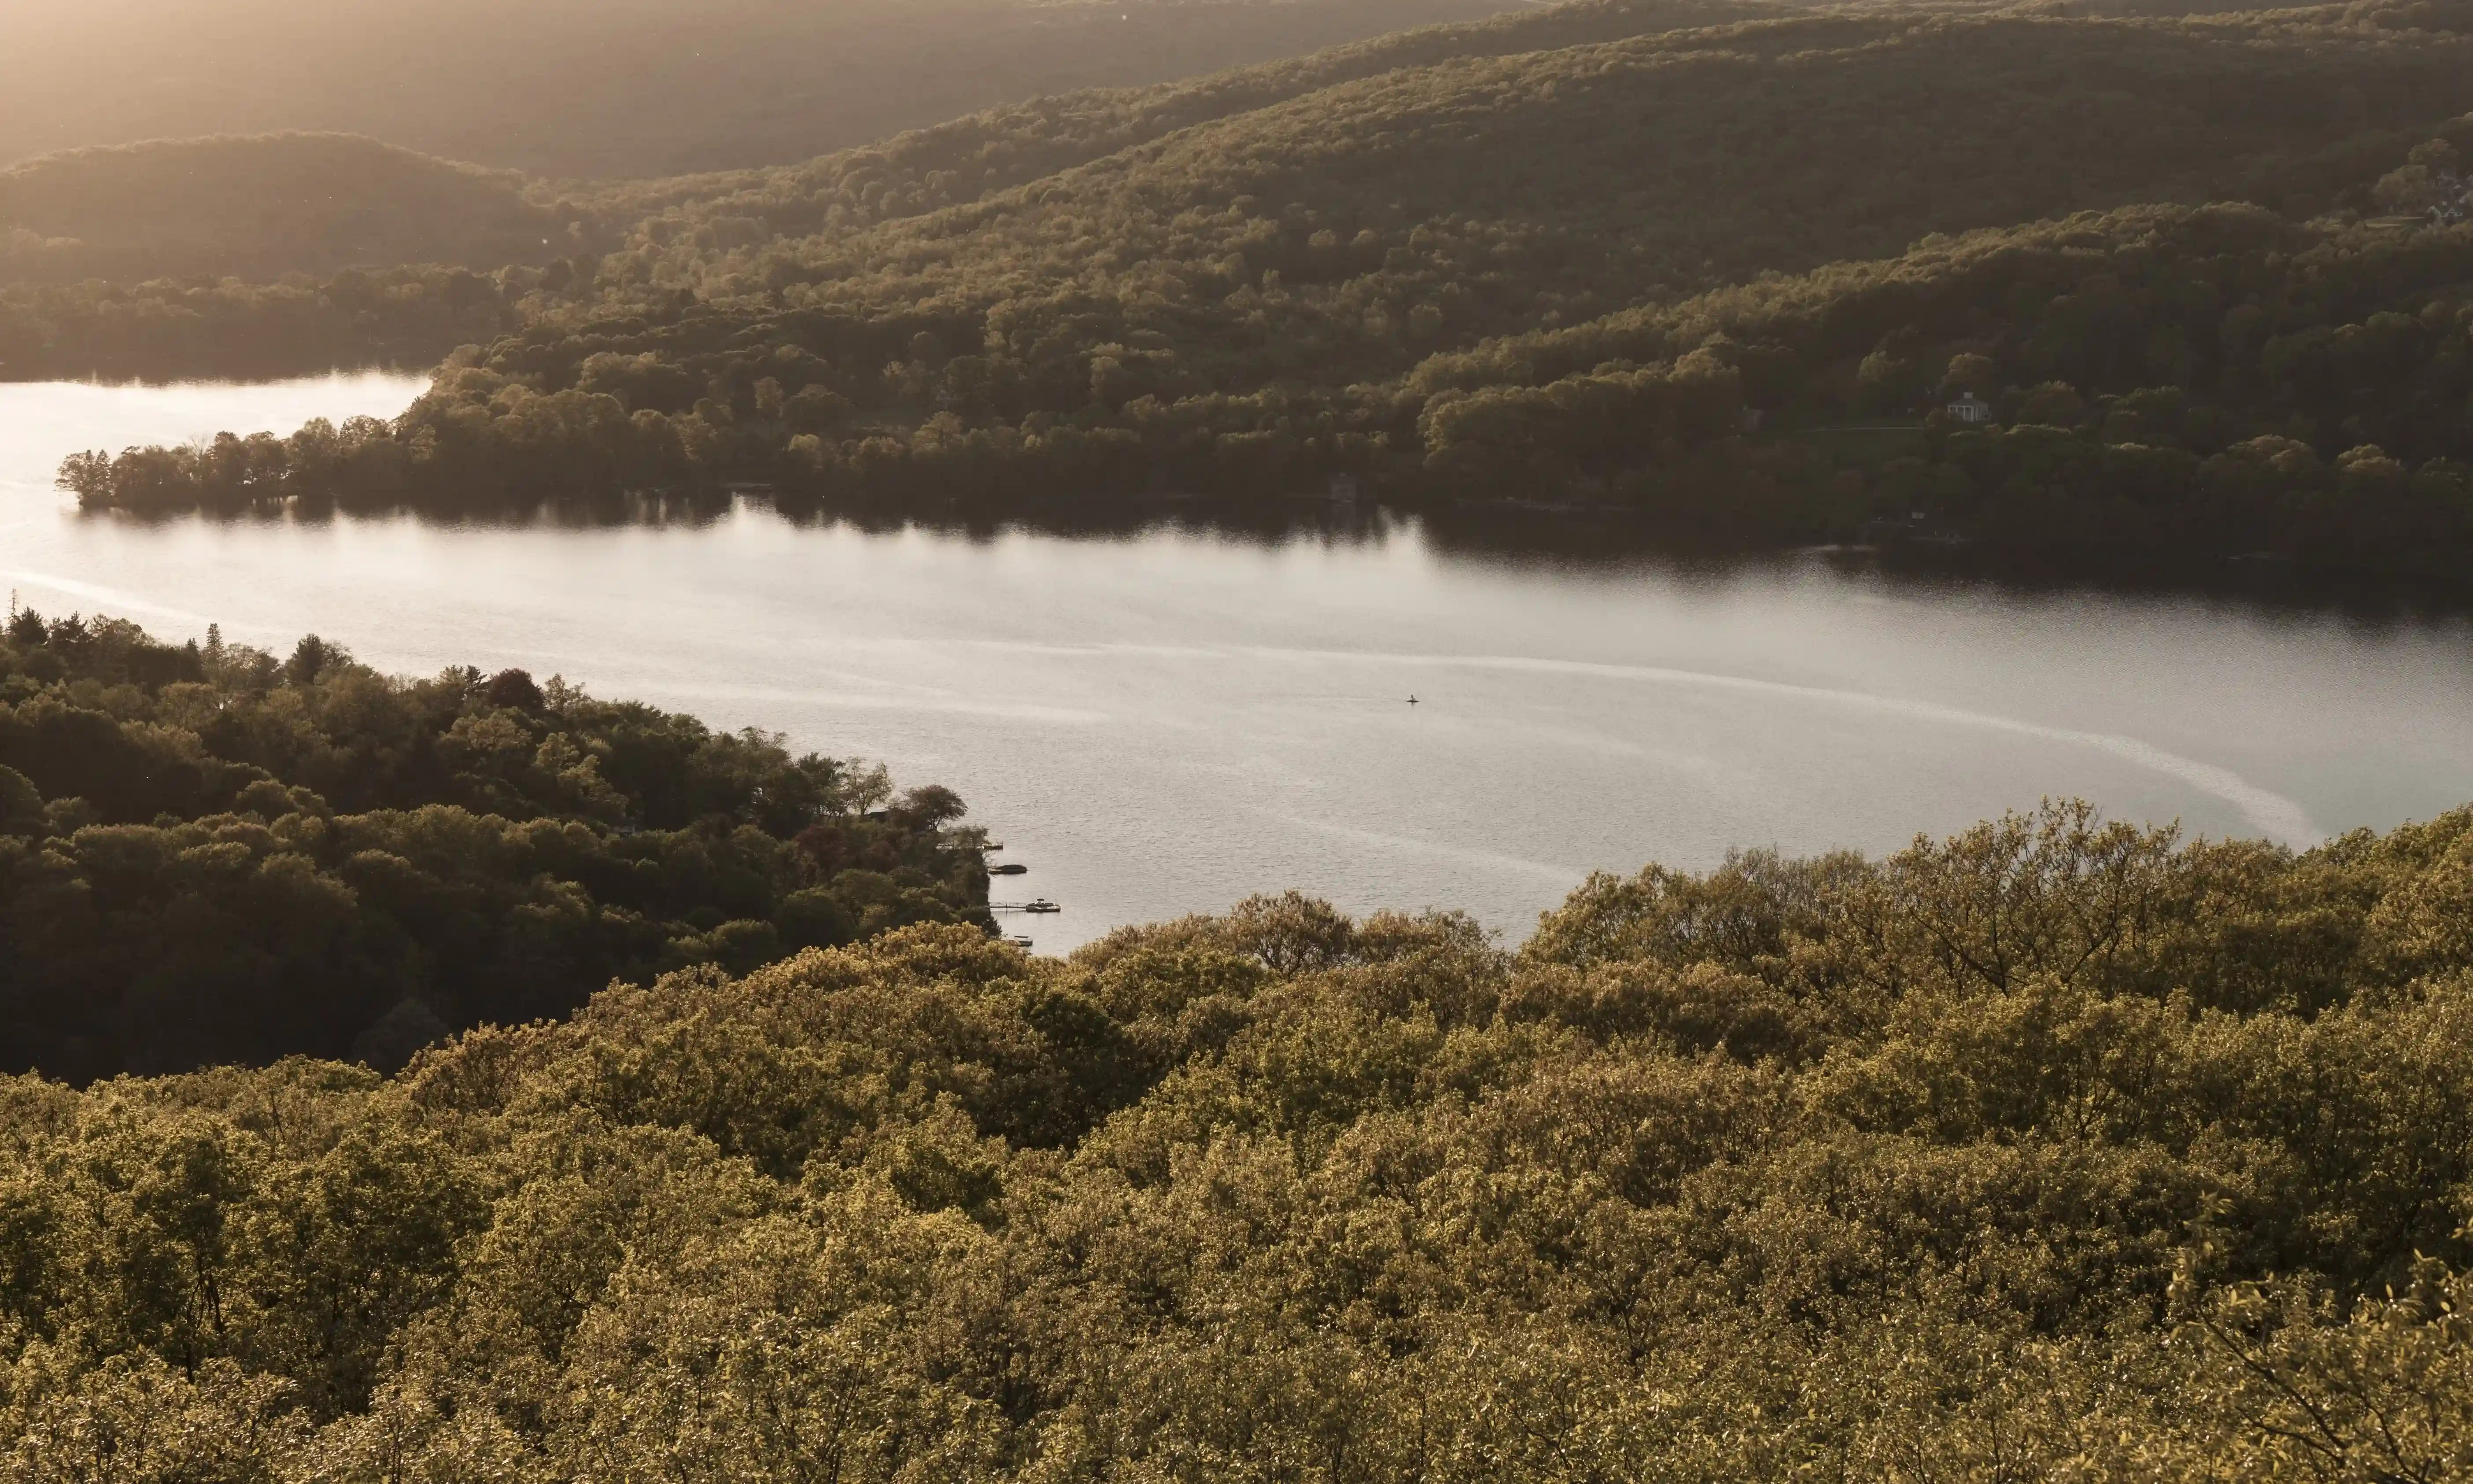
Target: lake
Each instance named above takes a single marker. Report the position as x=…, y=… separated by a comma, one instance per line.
x=1163, y=721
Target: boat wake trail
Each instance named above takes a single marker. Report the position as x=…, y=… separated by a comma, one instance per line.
x=2271, y=813
x=110, y=598
x=1563, y=878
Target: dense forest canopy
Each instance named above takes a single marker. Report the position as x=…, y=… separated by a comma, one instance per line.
x=612, y=88
x=969, y=157
x=207, y=854
x=2156, y=385
x=2057, y=1150
x=1628, y=167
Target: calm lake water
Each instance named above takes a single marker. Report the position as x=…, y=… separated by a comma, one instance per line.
x=1166, y=722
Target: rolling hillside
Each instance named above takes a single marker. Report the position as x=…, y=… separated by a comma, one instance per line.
x=609, y=89
x=263, y=207
x=966, y=159
x=1574, y=274
x=56, y=319
x=1650, y=166
x=79, y=293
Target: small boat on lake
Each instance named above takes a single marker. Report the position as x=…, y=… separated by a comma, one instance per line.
x=1042, y=904
x=1011, y=868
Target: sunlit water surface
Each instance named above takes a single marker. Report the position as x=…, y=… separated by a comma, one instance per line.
x=1165, y=723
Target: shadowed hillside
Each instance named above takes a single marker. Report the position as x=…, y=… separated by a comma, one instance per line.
x=95, y=216
x=260, y=208
x=1643, y=167
x=966, y=159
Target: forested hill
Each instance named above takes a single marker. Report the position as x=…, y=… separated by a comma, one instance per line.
x=209, y=855
x=966, y=159
x=1594, y=174
x=2150, y=390
x=262, y=208
x=266, y=205
x=377, y=312
x=619, y=88
x=1312, y=280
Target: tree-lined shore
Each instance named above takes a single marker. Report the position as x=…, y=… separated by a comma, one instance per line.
x=2247, y=337
x=209, y=854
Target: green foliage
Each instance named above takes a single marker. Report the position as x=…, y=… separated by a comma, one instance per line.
x=2055, y=1150
x=962, y=160
x=210, y=856
x=2166, y=383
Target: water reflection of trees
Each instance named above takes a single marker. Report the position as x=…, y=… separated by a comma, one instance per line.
x=1574, y=542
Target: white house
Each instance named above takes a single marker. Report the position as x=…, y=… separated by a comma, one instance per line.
x=1970, y=408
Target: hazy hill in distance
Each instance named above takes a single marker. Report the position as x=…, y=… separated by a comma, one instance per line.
x=262, y=207
x=259, y=206
x=609, y=88
x=964, y=158
x=271, y=205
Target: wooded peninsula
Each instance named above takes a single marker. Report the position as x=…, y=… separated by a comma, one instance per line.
x=211, y=855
